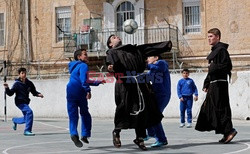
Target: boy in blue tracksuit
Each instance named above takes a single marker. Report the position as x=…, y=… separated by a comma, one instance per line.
x=160, y=77
x=185, y=90
x=22, y=87
x=78, y=91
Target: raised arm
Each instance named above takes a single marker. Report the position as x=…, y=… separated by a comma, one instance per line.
x=9, y=91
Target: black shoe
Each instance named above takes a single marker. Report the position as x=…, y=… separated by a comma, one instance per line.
x=223, y=139
x=85, y=139
x=140, y=143
x=116, y=139
x=76, y=140
x=231, y=136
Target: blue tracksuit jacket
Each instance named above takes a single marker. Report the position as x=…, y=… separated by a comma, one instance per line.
x=186, y=87
x=78, y=85
x=160, y=77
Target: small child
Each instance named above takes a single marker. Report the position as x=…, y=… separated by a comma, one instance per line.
x=22, y=87
x=78, y=92
x=185, y=90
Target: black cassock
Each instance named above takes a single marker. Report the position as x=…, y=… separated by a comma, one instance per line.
x=215, y=113
x=136, y=106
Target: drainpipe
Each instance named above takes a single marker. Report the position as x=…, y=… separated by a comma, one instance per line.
x=27, y=32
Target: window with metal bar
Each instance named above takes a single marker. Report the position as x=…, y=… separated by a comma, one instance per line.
x=63, y=22
x=191, y=16
x=123, y=12
x=2, y=29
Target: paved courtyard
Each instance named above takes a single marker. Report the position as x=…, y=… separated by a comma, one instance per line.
x=52, y=137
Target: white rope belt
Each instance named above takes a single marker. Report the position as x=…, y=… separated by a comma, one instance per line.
x=141, y=99
x=218, y=81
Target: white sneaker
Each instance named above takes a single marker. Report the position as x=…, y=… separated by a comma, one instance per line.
x=189, y=125
x=182, y=125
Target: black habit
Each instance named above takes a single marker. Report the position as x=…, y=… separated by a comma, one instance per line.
x=215, y=113
x=136, y=106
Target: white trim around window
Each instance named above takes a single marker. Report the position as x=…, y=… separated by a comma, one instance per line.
x=109, y=11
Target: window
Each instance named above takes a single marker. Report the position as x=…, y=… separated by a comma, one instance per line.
x=1, y=29
x=63, y=22
x=123, y=12
x=95, y=23
x=191, y=14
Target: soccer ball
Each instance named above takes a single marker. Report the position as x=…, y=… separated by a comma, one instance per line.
x=130, y=26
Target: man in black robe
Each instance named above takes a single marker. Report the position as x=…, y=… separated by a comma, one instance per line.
x=136, y=106
x=215, y=113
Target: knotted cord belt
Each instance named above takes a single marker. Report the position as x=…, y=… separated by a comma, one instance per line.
x=219, y=80
x=141, y=99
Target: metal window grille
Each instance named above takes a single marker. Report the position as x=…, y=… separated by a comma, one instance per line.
x=1, y=29
x=63, y=21
x=192, y=19
x=123, y=12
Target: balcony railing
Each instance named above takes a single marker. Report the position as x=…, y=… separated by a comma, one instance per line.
x=95, y=41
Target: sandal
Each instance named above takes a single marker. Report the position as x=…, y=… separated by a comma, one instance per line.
x=116, y=139
x=140, y=143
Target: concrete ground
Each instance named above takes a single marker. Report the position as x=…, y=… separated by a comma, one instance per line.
x=52, y=137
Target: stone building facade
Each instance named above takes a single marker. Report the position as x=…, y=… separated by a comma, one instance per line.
x=32, y=32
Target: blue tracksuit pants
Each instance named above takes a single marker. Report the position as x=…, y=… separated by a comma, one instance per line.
x=27, y=117
x=157, y=131
x=73, y=112
x=186, y=105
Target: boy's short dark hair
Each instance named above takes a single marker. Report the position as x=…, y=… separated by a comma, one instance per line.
x=215, y=31
x=22, y=69
x=159, y=57
x=109, y=41
x=78, y=53
x=185, y=70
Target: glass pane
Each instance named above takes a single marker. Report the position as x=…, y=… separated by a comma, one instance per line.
x=125, y=16
x=123, y=6
x=1, y=37
x=119, y=21
x=132, y=7
x=60, y=23
x=67, y=25
x=132, y=15
x=1, y=21
x=118, y=8
x=128, y=6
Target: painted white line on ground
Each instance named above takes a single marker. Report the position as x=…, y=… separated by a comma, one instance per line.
x=61, y=152
x=20, y=146
x=238, y=151
x=52, y=125
x=96, y=139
